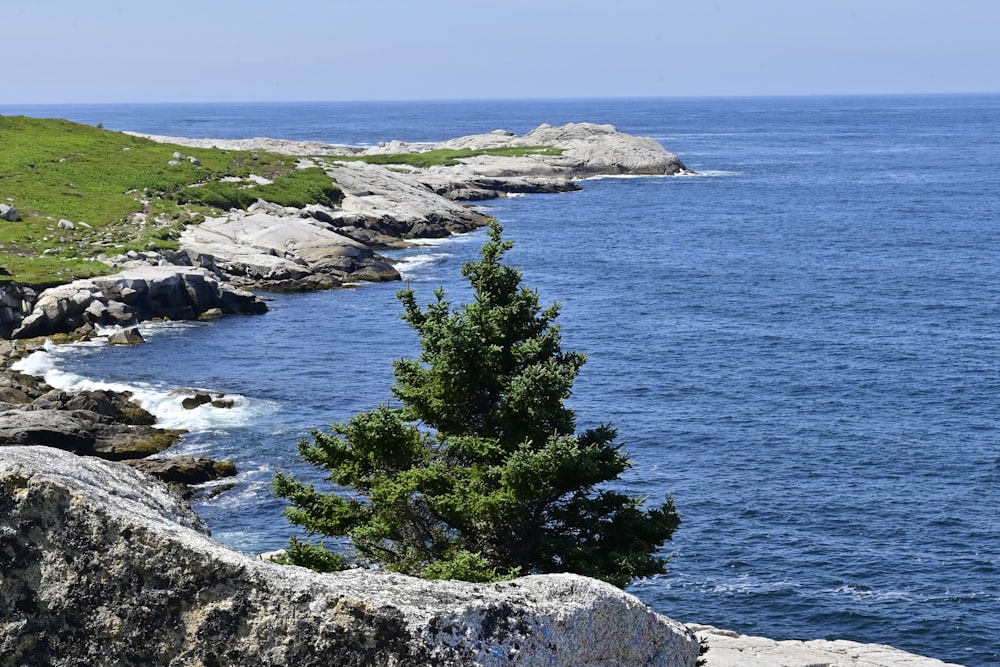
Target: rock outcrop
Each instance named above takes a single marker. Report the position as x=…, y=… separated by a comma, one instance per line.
x=15, y=302
x=587, y=150
x=384, y=206
x=274, y=249
x=100, y=423
x=729, y=649
x=130, y=336
x=101, y=565
x=184, y=469
x=142, y=293
x=583, y=150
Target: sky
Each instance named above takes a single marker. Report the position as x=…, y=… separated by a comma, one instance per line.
x=114, y=51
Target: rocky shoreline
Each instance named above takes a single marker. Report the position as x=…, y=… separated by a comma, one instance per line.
x=274, y=248
x=100, y=564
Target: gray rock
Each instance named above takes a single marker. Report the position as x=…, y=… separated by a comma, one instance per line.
x=184, y=469
x=270, y=247
x=102, y=423
x=99, y=561
x=66, y=224
x=51, y=428
x=130, y=336
x=15, y=301
x=728, y=649
x=284, y=146
x=14, y=396
x=195, y=401
x=588, y=150
x=141, y=293
x=120, y=313
x=9, y=213
x=393, y=204
x=96, y=311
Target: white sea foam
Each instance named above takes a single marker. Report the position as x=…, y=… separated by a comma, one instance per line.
x=411, y=267
x=708, y=173
x=412, y=264
x=468, y=237
x=715, y=173
x=627, y=177
x=430, y=242
x=745, y=584
x=163, y=402
x=866, y=593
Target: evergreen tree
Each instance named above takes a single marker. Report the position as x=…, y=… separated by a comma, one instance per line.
x=479, y=474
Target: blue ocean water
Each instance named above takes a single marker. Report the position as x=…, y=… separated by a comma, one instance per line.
x=801, y=344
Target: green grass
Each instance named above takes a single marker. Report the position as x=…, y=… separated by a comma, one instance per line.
x=447, y=156
x=54, y=169
x=299, y=188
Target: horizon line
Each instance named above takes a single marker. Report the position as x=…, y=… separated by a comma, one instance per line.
x=507, y=99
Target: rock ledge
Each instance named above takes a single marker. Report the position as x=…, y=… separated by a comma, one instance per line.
x=101, y=565
x=728, y=649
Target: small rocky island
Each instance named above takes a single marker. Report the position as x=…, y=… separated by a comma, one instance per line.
x=100, y=563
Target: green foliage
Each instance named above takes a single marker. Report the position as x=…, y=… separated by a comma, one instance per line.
x=298, y=188
x=447, y=156
x=54, y=169
x=314, y=556
x=466, y=567
x=479, y=475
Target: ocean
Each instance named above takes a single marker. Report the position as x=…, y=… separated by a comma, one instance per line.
x=800, y=344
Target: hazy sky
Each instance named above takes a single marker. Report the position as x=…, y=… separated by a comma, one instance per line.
x=64, y=51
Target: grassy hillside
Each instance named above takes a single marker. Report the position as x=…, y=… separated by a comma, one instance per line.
x=121, y=192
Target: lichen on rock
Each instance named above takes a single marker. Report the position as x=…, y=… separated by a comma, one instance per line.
x=102, y=565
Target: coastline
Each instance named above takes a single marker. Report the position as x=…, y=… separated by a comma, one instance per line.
x=373, y=204
x=224, y=260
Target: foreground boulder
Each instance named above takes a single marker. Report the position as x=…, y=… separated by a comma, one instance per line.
x=102, y=565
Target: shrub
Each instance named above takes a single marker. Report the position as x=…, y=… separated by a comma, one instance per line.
x=479, y=475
